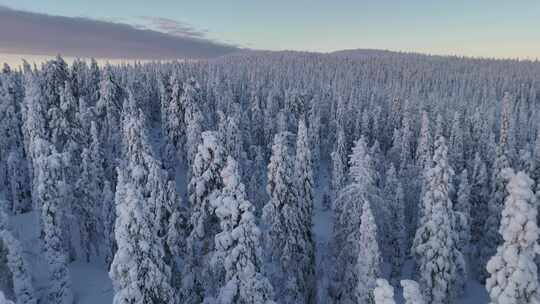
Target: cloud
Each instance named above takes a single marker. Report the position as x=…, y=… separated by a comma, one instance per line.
x=24, y=32
x=173, y=27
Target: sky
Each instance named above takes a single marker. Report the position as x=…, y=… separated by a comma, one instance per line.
x=161, y=29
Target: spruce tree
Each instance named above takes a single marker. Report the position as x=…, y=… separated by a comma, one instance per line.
x=411, y=292
x=17, y=266
x=368, y=261
x=205, y=181
x=423, y=149
x=513, y=276
x=289, y=246
x=339, y=165
x=238, y=248
x=383, y=293
x=51, y=194
x=347, y=235
x=303, y=175
x=491, y=238
x=435, y=248
x=396, y=234
x=140, y=270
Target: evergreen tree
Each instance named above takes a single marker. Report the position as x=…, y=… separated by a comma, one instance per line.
x=491, y=238
x=20, y=276
x=463, y=206
x=411, y=292
x=205, y=180
x=383, y=293
x=456, y=144
x=13, y=169
x=238, y=248
x=347, y=234
x=174, y=124
x=193, y=119
x=435, y=247
x=478, y=198
x=109, y=110
x=141, y=270
x=368, y=262
x=512, y=272
x=397, y=234
x=423, y=150
x=303, y=175
x=256, y=193
x=108, y=217
x=51, y=194
x=339, y=167
x=289, y=246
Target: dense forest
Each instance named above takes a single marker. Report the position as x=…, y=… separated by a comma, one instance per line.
x=272, y=177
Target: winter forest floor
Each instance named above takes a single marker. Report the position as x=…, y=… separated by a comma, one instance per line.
x=92, y=285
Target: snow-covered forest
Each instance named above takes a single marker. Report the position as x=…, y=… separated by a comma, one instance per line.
x=271, y=177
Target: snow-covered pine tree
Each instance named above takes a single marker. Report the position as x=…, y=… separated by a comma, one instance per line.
x=289, y=246
x=423, y=149
x=19, y=189
x=397, y=232
x=232, y=134
x=205, y=181
x=314, y=132
x=339, y=164
x=347, y=234
x=411, y=292
x=15, y=273
x=435, y=236
x=109, y=110
x=13, y=169
x=177, y=232
x=21, y=278
x=140, y=270
x=463, y=213
x=513, y=276
x=405, y=156
x=369, y=258
x=191, y=100
x=89, y=192
x=478, y=198
x=51, y=188
x=238, y=248
x=33, y=126
x=256, y=193
x=456, y=144
x=383, y=293
x=174, y=127
x=108, y=218
x=491, y=238
x=304, y=175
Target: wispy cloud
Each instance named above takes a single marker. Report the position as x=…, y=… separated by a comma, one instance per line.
x=24, y=32
x=174, y=27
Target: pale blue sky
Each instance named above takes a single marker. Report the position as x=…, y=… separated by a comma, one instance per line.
x=487, y=28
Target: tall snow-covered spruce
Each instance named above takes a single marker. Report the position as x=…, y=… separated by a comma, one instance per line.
x=289, y=246
x=238, y=247
x=435, y=244
x=369, y=259
x=204, y=185
x=140, y=270
x=51, y=195
x=351, y=271
x=513, y=276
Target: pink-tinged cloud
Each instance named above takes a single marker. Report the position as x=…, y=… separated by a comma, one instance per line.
x=32, y=33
